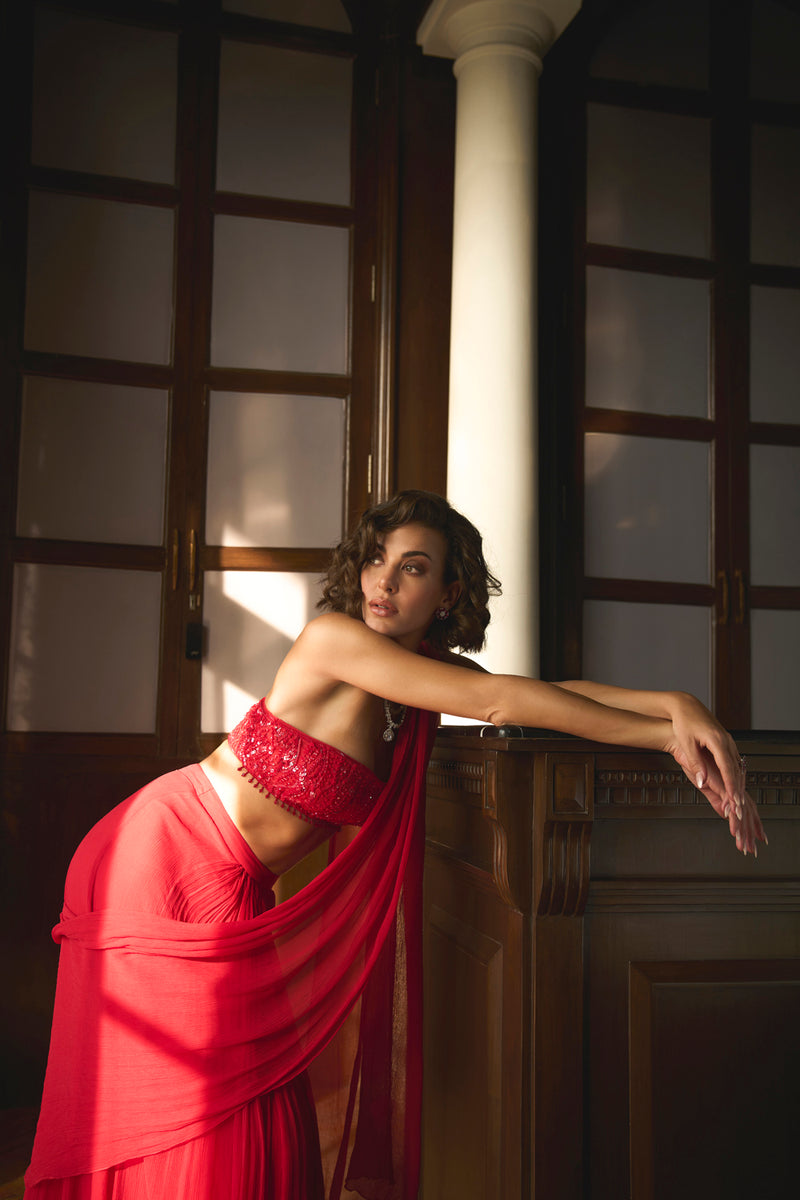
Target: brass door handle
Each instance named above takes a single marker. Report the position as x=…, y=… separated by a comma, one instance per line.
x=725, y=605
x=738, y=578
x=192, y=560
x=176, y=558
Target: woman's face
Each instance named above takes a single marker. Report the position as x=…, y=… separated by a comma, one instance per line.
x=403, y=584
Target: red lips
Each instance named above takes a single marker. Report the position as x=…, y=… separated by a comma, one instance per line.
x=382, y=608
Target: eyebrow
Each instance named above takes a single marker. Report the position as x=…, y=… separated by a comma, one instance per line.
x=407, y=553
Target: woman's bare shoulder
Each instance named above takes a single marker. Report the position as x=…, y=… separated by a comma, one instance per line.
x=327, y=641
x=330, y=629
x=329, y=622
x=309, y=673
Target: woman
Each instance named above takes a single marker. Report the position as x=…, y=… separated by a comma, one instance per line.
x=206, y=1043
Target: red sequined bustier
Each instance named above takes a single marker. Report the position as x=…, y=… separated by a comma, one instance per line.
x=313, y=780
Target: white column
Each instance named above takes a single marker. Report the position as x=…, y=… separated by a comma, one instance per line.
x=492, y=449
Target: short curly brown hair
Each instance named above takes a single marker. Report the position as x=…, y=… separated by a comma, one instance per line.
x=465, y=628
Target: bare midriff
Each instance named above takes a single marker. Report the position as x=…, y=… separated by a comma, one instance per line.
x=277, y=837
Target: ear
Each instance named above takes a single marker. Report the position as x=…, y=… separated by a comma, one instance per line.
x=451, y=594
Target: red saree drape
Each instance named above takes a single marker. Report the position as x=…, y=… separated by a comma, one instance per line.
x=188, y=1023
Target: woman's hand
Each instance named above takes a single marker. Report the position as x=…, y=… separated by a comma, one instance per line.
x=708, y=756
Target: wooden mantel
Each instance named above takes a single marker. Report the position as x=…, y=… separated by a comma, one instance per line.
x=612, y=991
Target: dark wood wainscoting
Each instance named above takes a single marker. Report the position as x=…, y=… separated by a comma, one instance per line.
x=612, y=992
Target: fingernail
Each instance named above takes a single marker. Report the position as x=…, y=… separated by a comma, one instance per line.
x=766, y=840
x=699, y=780
x=755, y=851
x=739, y=811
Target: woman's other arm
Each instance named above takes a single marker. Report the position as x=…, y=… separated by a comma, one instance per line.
x=699, y=737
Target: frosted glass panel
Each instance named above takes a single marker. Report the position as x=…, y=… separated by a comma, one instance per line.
x=295, y=108
x=657, y=43
x=775, y=516
x=647, y=508
x=84, y=650
x=775, y=229
x=92, y=462
x=665, y=646
x=104, y=97
x=99, y=278
x=774, y=51
x=634, y=322
x=775, y=695
x=648, y=180
x=324, y=14
x=275, y=470
x=280, y=296
x=775, y=355
x=252, y=618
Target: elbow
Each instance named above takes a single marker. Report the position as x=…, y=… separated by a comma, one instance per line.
x=493, y=706
x=496, y=710
x=501, y=700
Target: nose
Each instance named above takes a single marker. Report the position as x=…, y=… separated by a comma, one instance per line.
x=387, y=581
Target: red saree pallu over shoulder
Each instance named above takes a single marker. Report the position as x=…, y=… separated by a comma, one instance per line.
x=180, y=1040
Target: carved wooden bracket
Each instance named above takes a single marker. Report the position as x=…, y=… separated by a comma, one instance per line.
x=499, y=835
x=565, y=869
x=566, y=834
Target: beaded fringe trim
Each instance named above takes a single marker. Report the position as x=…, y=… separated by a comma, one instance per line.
x=260, y=787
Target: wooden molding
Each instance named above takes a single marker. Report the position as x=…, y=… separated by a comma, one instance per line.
x=635, y=788
x=692, y=896
x=455, y=776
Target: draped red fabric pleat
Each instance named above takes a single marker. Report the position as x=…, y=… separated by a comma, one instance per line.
x=167, y=1029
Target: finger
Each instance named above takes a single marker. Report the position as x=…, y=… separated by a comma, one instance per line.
x=704, y=774
x=757, y=833
x=727, y=811
x=732, y=766
x=730, y=773
x=738, y=827
x=754, y=826
x=759, y=828
x=743, y=820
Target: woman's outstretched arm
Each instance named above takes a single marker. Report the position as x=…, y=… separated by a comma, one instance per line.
x=335, y=647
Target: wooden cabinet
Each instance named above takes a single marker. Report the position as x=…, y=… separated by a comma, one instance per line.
x=612, y=991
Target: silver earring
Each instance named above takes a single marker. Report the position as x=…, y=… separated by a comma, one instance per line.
x=442, y=614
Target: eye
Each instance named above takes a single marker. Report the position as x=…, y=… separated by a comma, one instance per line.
x=413, y=568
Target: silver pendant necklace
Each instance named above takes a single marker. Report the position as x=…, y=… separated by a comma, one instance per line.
x=392, y=726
